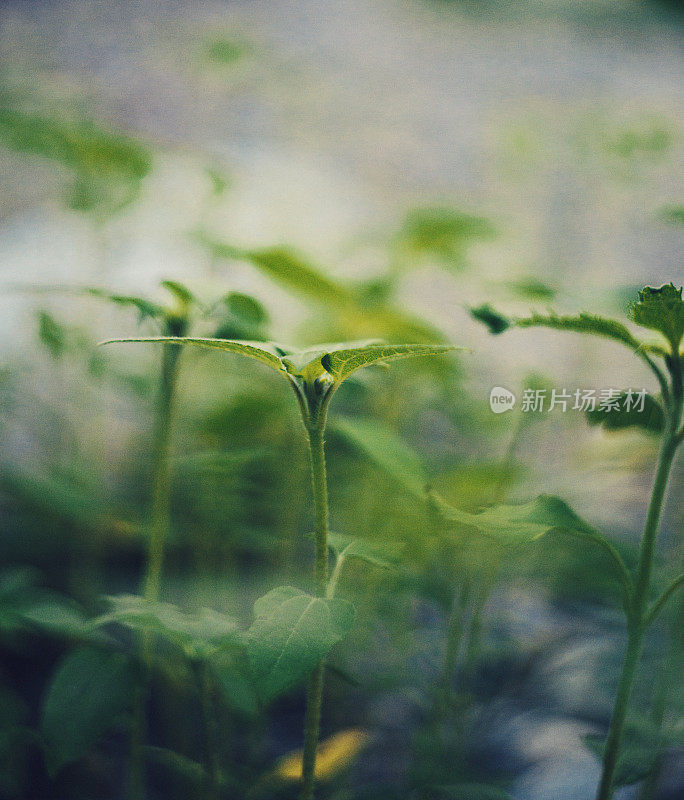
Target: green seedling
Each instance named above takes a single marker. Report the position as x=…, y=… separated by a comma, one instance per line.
x=238, y=312
x=314, y=374
x=660, y=310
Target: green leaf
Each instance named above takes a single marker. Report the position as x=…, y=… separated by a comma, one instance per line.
x=337, y=360
x=386, y=450
x=179, y=765
x=381, y=554
x=651, y=418
x=107, y=166
x=470, y=791
x=291, y=633
x=246, y=308
x=233, y=674
x=583, y=323
x=196, y=634
x=444, y=232
x=512, y=524
x=89, y=691
x=146, y=308
x=340, y=363
x=52, y=334
x=640, y=749
x=495, y=322
x=673, y=214
x=264, y=352
x=661, y=310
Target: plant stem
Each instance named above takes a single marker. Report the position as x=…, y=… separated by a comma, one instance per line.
x=209, y=730
x=158, y=531
x=454, y=637
x=639, y=600
x=314, y=695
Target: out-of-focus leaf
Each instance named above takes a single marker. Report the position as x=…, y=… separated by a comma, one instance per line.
x=179, y=765
x=225, y=51
x=518, y=523
x=197, y=635
x=232, y=671
x=661, y=310
x=146, y=308
x=381, y=554
x=292, y=631
x=533, y=289
x=641, y=746
x=470, y=791
x=674, y=214
x=495, y=322
x=651, y=418
x=444, y=232
x=332, y=756
x=52, y=334
x=385, y=449
x=88, y=693
x=108, y=167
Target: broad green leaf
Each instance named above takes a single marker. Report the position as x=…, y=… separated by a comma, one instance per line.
x=385, y=449
x=233, y=674
x=292, y=631
x=470, y=791
x=380, y=554
x=661, y=310
x=88, y=693
x=341, y=363
x=495, y=322
x=246, y=308
x=196, y=634
x=641, y=746
x=60, y=617
x=511, y=524
x=650, y=419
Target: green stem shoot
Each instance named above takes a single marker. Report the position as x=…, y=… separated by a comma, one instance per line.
x=314, y=696
x=638, y=613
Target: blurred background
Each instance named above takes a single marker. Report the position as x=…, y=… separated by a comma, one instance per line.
x=317, y=171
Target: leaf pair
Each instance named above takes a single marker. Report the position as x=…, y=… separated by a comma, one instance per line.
x=313, y=372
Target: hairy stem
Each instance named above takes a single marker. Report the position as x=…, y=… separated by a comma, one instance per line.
x=314, y=695
x=638, y=606
x=160, y=513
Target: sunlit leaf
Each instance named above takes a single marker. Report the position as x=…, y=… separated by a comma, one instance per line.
x=256, y=350
x=292, y=631
x=332, y=756
x=341, y=363
x=661, y=310
x=88, y=693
